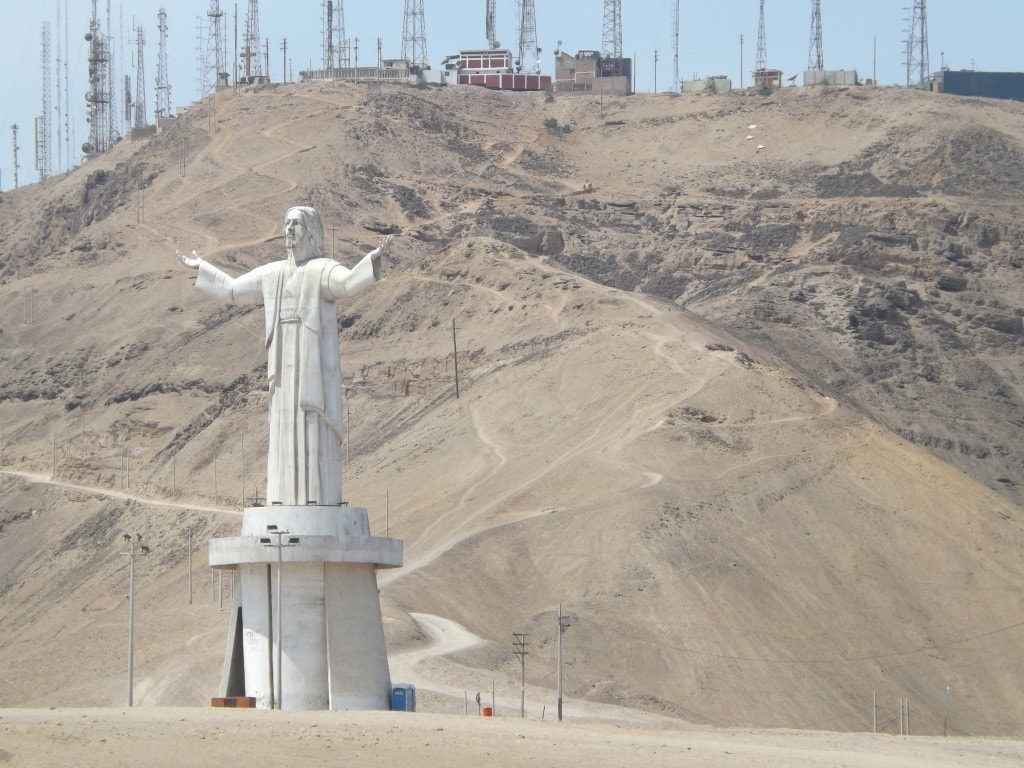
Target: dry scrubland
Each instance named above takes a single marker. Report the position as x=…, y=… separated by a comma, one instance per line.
x=751, y=415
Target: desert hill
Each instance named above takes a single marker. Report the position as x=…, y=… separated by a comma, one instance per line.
x=739, y=388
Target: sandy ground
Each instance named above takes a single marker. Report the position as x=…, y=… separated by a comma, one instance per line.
x=186, y=737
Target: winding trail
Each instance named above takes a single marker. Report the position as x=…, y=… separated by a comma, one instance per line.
x=112, y=494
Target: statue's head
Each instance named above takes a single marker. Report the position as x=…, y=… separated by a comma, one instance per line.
x=304, y=232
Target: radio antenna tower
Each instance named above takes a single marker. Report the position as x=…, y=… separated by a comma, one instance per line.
x=611, y=33
x=528, y=48
x=162, y=92
x=335, y=46
x=213, y=63
x=414, y=35
x=675, y=45
x=99, y=94
x=917, y=45
x=14, y=136
x=60, y=95
x=492, y=25
x=43, y=157
x=253, y=67
x=815, y=54
x=761, y=64
x=129, y=115
x=140, y=79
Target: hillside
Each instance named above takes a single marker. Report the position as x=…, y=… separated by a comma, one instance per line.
x=739, y=387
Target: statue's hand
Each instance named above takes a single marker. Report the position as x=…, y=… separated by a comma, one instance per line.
x=193, y=263
x=385, y=245
x=378, y=253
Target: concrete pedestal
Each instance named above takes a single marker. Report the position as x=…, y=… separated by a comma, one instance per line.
x=331, y=643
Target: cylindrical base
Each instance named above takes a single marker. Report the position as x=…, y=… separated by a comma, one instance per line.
x=307, y=610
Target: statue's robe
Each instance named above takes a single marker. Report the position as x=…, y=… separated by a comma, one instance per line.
x=303, y=367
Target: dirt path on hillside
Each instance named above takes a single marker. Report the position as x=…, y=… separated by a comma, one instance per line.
x=112, y=494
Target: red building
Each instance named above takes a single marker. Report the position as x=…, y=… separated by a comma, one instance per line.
x=493, y=69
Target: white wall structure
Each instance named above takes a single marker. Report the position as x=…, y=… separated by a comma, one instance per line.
x=326, y=649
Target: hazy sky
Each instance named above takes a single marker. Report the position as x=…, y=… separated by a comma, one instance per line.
x=867, y=35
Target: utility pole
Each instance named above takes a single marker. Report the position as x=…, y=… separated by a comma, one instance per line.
x=190, y=566
x=266, y=541
x=519, y=644
x=563, y=624
x=741, y=62
x=455, y=348
x=130, y=553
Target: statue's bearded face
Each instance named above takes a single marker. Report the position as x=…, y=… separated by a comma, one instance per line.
x=294, y=229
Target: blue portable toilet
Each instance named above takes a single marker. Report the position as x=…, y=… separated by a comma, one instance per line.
x=403, y=697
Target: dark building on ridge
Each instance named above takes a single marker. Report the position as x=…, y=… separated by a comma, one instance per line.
x=992, y=85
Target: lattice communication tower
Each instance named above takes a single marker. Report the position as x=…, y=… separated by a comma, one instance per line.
x=140, y=79
x=44, y=161
x=761, y=63
x=252, y=66
x=99, y=95
x=492, y=25
x=336, y=48
x=815, y=53
x=162, y=92
x=14, y=141
x=611, y=33
x=675, y=47
x=917, y=45
x=414, y=35
x=529, y=53
x=213, y=51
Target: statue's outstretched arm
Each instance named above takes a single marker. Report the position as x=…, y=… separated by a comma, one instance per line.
x=193, y=263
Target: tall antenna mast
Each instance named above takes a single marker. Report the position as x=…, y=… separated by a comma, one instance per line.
x=140, y=79
x=99, y=94
x=611, y=33
x=251, y=50
x=67, y=87
x=921, y=12
x=43, y=133
x=330, y=62
x=492, y=25
x=163, y=87
x=336, y=52
x=60, y=95
x=917, y=45
x=214, y=62
x=815, y=54
x=761, y=64
x=330, y=46
x=528, y=50
x=675, y=46
x=14, y=136
x=414, y=35
x=117, y=126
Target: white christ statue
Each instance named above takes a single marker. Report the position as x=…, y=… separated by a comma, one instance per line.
x=303, y=360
